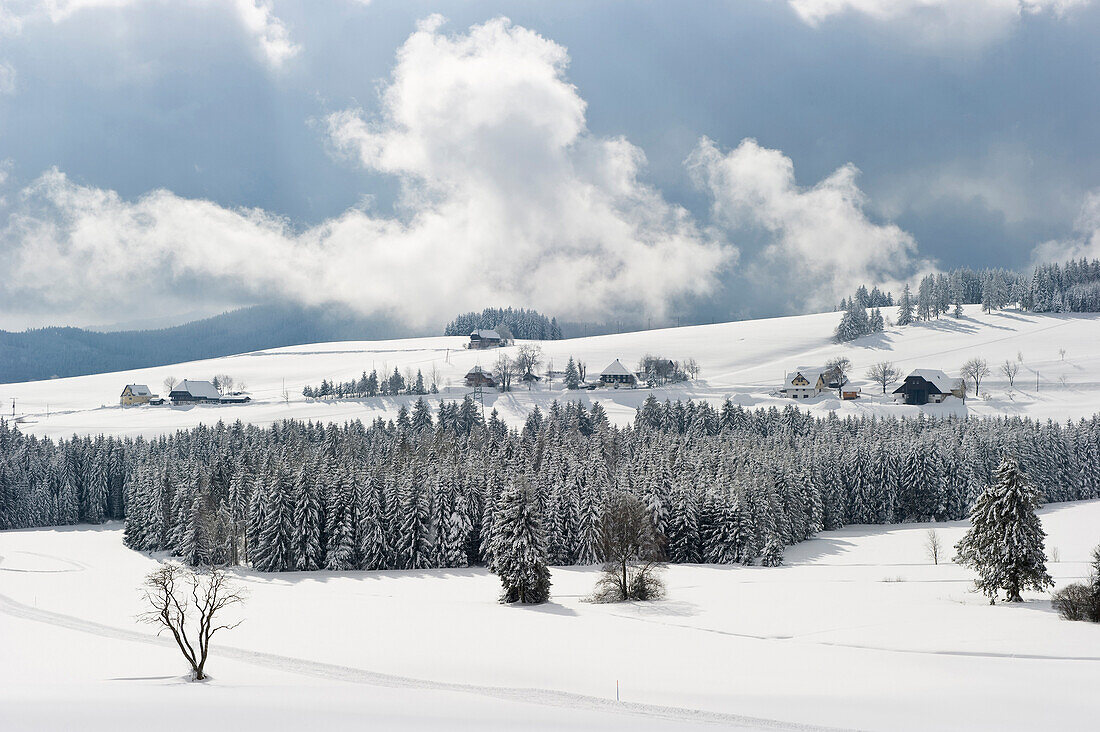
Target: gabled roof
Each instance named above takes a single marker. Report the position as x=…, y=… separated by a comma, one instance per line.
x=202, y=389
x=477, y=370
x=486, y=334
x=616, y=368
x=139, y=390
x=944, y=384
x=809, y=374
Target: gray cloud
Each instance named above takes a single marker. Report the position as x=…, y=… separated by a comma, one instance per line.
x=507, y=198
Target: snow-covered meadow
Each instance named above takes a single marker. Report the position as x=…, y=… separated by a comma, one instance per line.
x=858, y=630
x=745, y=361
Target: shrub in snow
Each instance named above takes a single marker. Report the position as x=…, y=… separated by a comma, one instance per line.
x=630, y=549
x=1005, y=540
x=1080, y=601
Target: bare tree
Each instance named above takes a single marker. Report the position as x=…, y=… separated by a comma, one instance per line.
x=1062, y=353
x=503, y=370
x=631, y=552
x=691, y=368
x=1063, y=380
x=975, y=370
x=223, y=383
x=933, y=545
x=170, y=384
x=1010, y=368
x=837, y=369
x=528, y=358
x=191, y=606
x=883, y=373
x=435, y=377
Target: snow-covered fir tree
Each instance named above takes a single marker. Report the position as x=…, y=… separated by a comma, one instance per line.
x=520, y=556
x=1004, y=544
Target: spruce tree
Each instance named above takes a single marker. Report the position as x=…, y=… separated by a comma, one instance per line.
x=519, y=557
x=1005, y=541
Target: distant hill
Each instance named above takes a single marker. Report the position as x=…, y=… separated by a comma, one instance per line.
x=47, y=353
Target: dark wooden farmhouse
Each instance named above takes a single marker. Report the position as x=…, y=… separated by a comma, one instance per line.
x=617, y=375
x=925, y=386
x=485, y=339
x=479, y=377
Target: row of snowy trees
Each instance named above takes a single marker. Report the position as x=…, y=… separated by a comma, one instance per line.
x=721, y=485
x=523, y=323
x=369, y=385
x=1070, y=287
x=857, y=322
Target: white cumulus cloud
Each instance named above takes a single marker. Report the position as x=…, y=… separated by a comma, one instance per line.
x=820, y=243
x=1086, y=239
x=507, y=199
x=936, y=23
x=268, y=32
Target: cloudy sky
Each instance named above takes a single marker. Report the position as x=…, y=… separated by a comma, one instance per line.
x=594, y=160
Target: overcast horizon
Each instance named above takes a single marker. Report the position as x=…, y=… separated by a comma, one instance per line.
x=415, y=160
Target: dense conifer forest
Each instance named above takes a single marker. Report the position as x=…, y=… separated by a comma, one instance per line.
x=420, y=491
x=523, y=323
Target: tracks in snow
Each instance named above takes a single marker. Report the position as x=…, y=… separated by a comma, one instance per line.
x=349, y=674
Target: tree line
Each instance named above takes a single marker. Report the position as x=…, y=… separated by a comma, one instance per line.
x=720, y=485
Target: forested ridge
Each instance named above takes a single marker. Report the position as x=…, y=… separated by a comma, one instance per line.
x=420, y=492
x=46, y=353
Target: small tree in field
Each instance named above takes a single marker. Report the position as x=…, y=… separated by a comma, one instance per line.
x=191, y=606
x=631, y=552
x=170, y=384
x=933, y=545
x=1005, y=541
x=884, y=374
x=519, y=548
x=974, y=371
x=1010, y=368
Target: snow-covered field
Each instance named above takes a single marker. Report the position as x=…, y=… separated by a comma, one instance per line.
x=745, y=361
x=860, y=630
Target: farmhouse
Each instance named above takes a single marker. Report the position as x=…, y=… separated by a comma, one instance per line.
x=136, y=394
x=479, y=377
x=928, y=385
x=195, y=392
x=485, y=339
x=804, y=383
x=617, y=374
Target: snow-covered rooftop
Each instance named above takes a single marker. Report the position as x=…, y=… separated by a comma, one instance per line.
x=616, y=368
x=944, y=383
x=139, y=390
x=201, y=389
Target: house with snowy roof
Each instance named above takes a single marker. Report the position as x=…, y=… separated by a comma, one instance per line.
x=195, y=392
x=135, y=394
x=923, y=386
x=485, y=339
x=616, y=374
x=478, y=376
x=804, y=383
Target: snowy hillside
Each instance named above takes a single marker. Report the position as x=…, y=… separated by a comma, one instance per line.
x=745, y=361
x=860, y=630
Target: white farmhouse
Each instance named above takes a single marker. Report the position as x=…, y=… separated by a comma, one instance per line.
x=804, y=383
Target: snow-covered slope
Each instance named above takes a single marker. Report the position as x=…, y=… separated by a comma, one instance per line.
x=743, y=360
x=859, y=630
